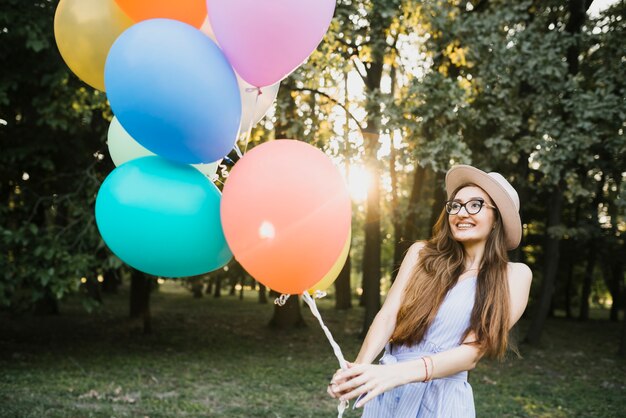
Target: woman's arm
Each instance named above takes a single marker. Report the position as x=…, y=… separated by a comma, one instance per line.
x=466, y=356
x=376, y=379
x=385, y=321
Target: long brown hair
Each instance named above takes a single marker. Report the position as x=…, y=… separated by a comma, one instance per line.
x=441, y=262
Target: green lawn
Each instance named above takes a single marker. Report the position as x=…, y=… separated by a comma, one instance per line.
x=216, y=358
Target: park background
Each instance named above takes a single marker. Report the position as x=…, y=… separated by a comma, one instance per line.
x=397, y=92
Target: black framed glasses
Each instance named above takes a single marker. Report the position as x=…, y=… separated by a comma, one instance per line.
x=472, y=207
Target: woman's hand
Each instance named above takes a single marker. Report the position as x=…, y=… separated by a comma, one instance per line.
x=332, y=389
x=372, y=379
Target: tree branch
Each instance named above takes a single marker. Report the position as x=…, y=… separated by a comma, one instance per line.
x=332, y=99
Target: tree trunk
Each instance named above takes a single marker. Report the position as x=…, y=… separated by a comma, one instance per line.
x=197, y=285
x=439, y=197
x=343, y=290
x=217, y=291
x=569, y=278
x=233, y=286
x=396, y=219
x=111, y=281
x=372, y=247
x=409, y=228
x=550, y=268
x=617, y=276
x=262, y=294
x=622, y=344
x=577, y=15
x=140, y=289
x=47, y=305
x=587, y=281
x=614, y=265
x=288, y=316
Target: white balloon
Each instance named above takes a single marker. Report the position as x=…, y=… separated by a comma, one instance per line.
x=207, y=29
x=253, y=108
x=123, y=148
x=208, y=169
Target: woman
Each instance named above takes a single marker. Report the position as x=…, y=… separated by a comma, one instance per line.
x=454, y=300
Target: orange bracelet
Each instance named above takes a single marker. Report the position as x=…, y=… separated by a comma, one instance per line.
x=432, y=367
x=426, y=368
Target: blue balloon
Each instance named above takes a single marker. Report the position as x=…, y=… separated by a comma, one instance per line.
x=162, y=218
x=173, y=90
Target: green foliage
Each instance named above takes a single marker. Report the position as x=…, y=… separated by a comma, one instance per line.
x=52, y=137
x=487, y=83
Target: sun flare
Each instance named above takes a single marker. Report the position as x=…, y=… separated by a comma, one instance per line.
x=359, y=181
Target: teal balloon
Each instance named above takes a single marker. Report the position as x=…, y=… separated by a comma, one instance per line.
x=162, y=218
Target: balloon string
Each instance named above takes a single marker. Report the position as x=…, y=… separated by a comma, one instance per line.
x=256, y=102
x=238, y=151
x=336, y=349
x=281, y=300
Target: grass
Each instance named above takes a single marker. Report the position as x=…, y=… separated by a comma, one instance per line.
x=217, y=358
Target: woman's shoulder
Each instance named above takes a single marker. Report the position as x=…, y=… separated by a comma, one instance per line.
x=415, y=248
x=519, y=271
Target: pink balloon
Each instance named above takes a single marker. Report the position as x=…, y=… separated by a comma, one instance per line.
x=265, y=40
x=286, y=214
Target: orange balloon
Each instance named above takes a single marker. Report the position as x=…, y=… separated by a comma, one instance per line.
x=286, y=213
x=189, y=11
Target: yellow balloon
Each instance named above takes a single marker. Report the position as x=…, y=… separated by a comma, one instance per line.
x=84, y=31
x=331, y=276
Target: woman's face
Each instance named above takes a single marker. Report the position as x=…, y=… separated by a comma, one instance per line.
x=472, y=229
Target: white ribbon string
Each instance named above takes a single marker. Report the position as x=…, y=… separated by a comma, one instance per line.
x=336, y=349
x=238, y=151
x=256, y=102
x=281, y=300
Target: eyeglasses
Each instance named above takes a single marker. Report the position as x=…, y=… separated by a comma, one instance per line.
x=472, y=207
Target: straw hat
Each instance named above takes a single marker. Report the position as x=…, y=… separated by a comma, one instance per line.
x=501, y=192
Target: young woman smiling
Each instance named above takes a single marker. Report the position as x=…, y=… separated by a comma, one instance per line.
x=454, y=301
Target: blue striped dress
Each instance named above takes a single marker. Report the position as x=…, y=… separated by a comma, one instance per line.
x=448, y=397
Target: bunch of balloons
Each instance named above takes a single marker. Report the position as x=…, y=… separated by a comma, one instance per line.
x=184, y=79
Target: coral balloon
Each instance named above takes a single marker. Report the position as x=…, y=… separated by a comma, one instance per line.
x=84, y=31
x=122, y=148
x=162, y=218
x=286, y=214
x=332, y=275
x=188, y=11
x=265, y=41
x=174, y=92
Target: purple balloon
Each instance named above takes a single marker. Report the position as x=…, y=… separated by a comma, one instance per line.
x=266, y=40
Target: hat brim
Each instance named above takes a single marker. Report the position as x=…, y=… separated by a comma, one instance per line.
x=463, y=174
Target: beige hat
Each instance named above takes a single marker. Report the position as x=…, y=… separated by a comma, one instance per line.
x=501, y=192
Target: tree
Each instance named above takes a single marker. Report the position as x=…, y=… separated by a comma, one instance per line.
x=53, y=129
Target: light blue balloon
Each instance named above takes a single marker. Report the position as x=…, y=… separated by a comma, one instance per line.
x=162, y=218
x=174, y=91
